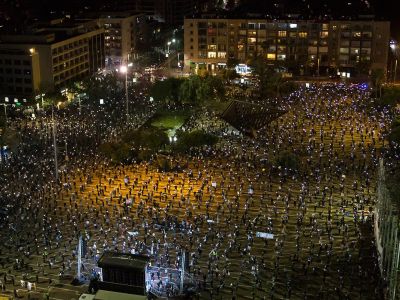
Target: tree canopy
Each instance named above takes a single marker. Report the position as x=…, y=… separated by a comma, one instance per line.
x=194, y=139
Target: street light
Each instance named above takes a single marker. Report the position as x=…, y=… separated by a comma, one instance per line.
x=167, y=54
x=54, y=141
x=5, y=110
x=393, y=46
x=124, y=69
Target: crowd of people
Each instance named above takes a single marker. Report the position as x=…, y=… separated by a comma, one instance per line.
x=254, y=223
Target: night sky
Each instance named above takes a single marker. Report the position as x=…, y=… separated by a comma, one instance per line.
x=382, y=9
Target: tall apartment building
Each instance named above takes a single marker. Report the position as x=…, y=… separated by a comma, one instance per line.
x=303, y=47
x=49, y=58
x=123, y=34
x=171, y=12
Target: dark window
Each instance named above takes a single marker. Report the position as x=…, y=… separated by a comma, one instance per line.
x=17, y=62
x=26, y=63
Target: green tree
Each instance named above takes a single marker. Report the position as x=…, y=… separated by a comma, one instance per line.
x=118, y=152
x=228, y=74
x=194, y=139
x=270, y=81
x=190, y=89
x=232, y=62
x=168, y=89
x=197, y=90
x=151, y=138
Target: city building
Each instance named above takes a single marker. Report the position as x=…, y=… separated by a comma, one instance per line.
x=49, y=58
x=19, y=74
x=171, y=12
x=300, y=46
x=124, y=33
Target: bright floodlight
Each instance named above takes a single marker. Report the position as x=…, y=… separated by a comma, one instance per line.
x=393, y=45
x=173, y=40
x=123, y=69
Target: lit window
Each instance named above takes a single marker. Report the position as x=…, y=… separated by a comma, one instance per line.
x=324, y=34
x=212, y=54
x=302, y=34
x=221, y=54
x=282, y=33
x=271, y=56
x=252, y=40
x=292, y=25
x=281, y=56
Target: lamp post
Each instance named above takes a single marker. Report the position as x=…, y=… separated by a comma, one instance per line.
x=54, y=142
x=5, y=110
x=41, y=96
x=393, y=46
x=168, y=52
x=124, y=69
x=79, y=102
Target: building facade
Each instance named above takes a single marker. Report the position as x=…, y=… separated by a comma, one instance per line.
x=19, y=74
x=302, y=47
x=49, y=59
x=123, y=35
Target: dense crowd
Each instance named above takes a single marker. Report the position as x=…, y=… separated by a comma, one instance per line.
x=317, y=211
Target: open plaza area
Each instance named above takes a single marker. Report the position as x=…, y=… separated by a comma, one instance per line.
x=284, y=214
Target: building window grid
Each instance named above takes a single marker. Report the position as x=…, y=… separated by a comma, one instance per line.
x=320, y=33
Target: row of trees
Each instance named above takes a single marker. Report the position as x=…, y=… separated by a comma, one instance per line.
x=143, y=143
x=271, y=83
x=194, y=90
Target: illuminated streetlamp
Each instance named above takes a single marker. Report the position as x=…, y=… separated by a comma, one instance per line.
x=168, y=52
x=124, y=69
x=393, y=46
x=54, y=141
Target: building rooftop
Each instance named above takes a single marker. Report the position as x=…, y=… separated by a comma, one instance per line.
x=123, y=260
x=233, y=15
